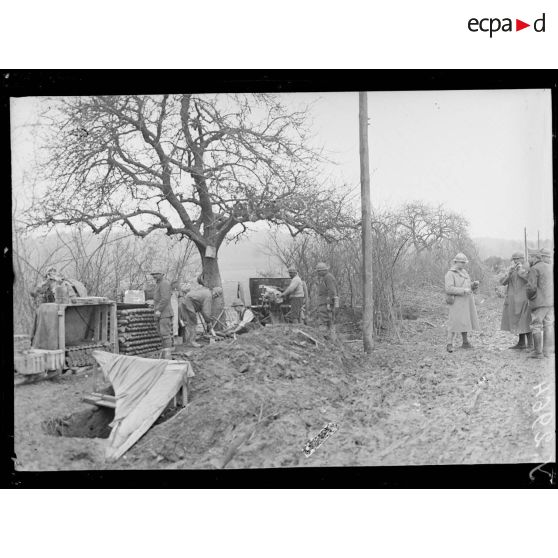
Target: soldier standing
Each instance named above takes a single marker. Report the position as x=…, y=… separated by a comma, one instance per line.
x=540, y=291
x=295, y=292
x=327, y=296
x=162, y=308
x=516, y=315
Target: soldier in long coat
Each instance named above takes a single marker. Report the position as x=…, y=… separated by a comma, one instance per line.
x=162, y=308
x=516, y=315
x=462, y=311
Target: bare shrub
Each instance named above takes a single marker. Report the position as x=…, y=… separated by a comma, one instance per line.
x=106, y=264
x=412, y=247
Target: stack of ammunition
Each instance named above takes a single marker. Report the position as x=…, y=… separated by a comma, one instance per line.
x=80, y=355
x=137, y=332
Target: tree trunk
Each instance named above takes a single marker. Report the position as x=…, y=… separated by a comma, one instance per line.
x=212, y=278
x=211, y=272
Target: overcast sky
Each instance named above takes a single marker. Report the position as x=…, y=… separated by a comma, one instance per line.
x=486, y=154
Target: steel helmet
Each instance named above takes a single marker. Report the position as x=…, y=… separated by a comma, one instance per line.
x=517, y=255
x=237, y=302
x=322, y=267
x=292, y=269
x=461, y=257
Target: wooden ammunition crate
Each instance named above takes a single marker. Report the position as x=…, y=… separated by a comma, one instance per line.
x=54, y=360
x=32, y=362
x=78, y=325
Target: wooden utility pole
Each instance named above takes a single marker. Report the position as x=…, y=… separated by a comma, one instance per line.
x=368, y=303
x=525, y=241
x=538, y=240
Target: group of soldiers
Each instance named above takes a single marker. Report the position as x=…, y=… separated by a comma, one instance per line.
x=327, y=300
x=199, y=300
x=528, y=308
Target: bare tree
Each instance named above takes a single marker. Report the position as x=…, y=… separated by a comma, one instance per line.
x=192, y=166
x=423, y=227
x=411, y=247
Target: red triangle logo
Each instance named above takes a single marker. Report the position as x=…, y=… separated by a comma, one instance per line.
x=519, y=25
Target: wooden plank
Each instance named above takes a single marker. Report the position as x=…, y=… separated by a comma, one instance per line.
x=97, y=320
x=62, y=327
x=308, y=337
x=90, y=399
x=99, y=402
x=114, y=328
x=185, y=385
x=104, y=323
x=104, y=396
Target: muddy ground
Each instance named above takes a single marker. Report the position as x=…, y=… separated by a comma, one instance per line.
x=257, y=401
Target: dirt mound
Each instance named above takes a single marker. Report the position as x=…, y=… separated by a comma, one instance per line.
x=254, y=402
x=257, y=401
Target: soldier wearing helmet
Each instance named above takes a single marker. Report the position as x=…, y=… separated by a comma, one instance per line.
x=516, y=314
x=295, y=293
x=245, y=323
x=327, y=295
x=462, y=311
x=540, y=292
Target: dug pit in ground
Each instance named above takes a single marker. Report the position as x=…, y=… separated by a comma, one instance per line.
x=91, y=423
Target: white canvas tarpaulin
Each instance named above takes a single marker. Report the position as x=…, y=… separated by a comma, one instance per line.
x=143, y=388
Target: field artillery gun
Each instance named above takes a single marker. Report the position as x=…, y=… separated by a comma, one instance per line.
x=266, y=301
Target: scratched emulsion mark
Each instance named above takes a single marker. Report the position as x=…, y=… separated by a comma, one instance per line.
x=313, y=444
x=544, y=432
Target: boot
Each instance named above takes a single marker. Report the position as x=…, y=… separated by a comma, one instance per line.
x=466, y=344
x=529, y=337
x=520, y=344
x=190, y=337
x=548, y=341
x=537, y=342
x=449, y=348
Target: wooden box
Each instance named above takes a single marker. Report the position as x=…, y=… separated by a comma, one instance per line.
x=32, y=362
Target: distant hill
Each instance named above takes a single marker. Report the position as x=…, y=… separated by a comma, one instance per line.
x=503, y=247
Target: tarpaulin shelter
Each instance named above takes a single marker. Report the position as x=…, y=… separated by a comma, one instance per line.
x=143, y=387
